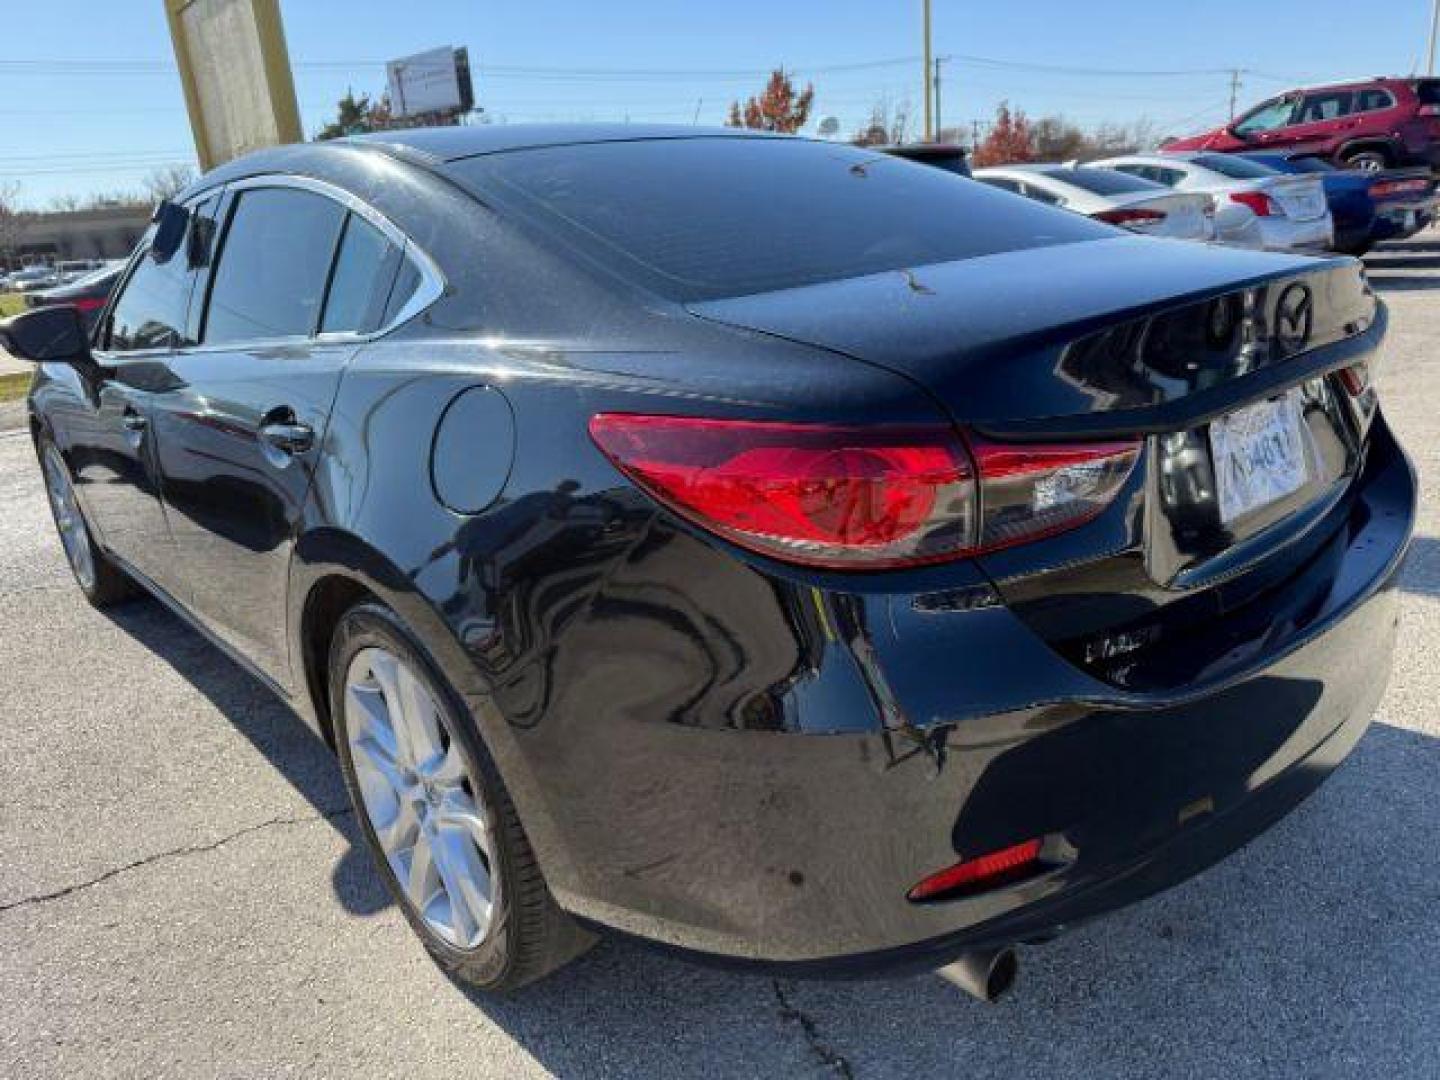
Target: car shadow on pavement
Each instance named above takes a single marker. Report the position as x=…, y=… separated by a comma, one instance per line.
x=272, y=727
x=1398, y=261
x=1421, y=570
x=1312, y=951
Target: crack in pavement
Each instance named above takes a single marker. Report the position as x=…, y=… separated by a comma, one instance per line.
x=822, y=1051
x=173, y=853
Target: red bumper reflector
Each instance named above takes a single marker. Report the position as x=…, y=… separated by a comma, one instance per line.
x=972, y=872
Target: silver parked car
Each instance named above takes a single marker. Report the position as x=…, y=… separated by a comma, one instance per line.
x=1141, y=206
x=1255, y=206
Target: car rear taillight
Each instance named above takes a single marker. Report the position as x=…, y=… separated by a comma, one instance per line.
x=88, y=303
x=1383, y=189
x=861, y=497
x=987, y=871
x=1134, y=218
x=1258, y=201
x=1428, y=111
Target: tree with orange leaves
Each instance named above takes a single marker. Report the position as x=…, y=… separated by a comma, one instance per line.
x=1010, y=142
x=779, y=108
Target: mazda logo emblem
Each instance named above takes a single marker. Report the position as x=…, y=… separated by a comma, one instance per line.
x=1294, y=318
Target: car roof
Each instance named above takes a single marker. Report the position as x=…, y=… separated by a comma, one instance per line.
x=441, y=144
x=433, y=147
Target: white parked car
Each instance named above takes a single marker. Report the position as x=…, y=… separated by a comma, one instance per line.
x=1255, y=206
x=1142, y=206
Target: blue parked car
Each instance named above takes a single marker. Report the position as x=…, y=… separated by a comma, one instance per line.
x=1367, y=206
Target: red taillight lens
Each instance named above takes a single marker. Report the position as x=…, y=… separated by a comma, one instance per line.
x=988, y=870
x=862, y=497
x=811, y=493
x=1136, y=218
x=1386, y=189
x=88, y=303
x=1262, y=204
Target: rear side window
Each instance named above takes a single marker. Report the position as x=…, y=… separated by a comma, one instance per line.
x=360, y=283
x=1237, y=168
x=273, y=266
x=1428, y=91
x=407, y=284
x=1375, y=99
x=1330, y=105
x=1104, y=181
x=703, y=218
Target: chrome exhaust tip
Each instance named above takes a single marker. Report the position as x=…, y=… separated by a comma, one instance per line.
x=986, y=975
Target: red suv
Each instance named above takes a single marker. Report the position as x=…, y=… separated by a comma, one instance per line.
x=1376, y=124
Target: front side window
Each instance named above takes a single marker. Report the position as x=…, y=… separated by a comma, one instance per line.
x=360, y=284
x=151, y=309
x=1327, y=106
x=274, y=261
x=1268, y=117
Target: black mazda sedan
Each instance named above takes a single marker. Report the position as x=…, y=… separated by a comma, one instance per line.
x=770, y=549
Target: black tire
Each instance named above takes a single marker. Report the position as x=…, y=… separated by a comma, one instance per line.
x=529, y=935
x=105, y=585
x=1370, y=160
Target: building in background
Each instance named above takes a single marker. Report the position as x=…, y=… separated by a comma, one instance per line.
x=106, y=232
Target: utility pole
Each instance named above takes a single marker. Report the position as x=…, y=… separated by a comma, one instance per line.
x=1235, y=86
x=929, y=117
x=1434, y=27
x=939, y=124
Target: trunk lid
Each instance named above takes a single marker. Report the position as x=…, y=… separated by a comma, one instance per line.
x=1302, y=198
x=1179, y=345
x=1044, y=341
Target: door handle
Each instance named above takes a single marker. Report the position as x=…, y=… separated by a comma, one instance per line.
x=288, y=437
x=133, y=421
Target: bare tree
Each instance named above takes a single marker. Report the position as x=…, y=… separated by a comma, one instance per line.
x=12, y=221
x=889, y=124
x=167, y=182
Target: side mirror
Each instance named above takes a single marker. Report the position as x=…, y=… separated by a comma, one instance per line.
x=46, y=335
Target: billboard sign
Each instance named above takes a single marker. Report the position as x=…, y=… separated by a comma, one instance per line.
x=434, y=81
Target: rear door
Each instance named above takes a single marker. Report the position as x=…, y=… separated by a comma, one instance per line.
x=1322, y=121
x=302, y=277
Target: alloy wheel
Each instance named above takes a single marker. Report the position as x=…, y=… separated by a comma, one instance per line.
x=422, y=802
x=68, y=519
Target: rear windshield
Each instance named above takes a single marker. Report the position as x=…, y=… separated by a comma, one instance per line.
x=1428, y=91
x=703, y=218
x=1235, y=167
x=1104, y=181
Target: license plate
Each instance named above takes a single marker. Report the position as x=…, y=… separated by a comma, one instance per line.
x=1259, y=454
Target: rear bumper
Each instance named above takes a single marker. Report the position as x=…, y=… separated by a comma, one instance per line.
x=1286, y=234
x=797, y=850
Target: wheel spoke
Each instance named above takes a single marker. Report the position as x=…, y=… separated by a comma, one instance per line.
x=402, y=833
x=450, y=770
x=422, y=865
x=459, y=814
x=416, y=720
x=468, y=910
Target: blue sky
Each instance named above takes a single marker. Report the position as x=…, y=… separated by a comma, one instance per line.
x=89, y=100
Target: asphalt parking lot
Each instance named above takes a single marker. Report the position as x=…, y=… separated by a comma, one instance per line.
x=182, y=892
